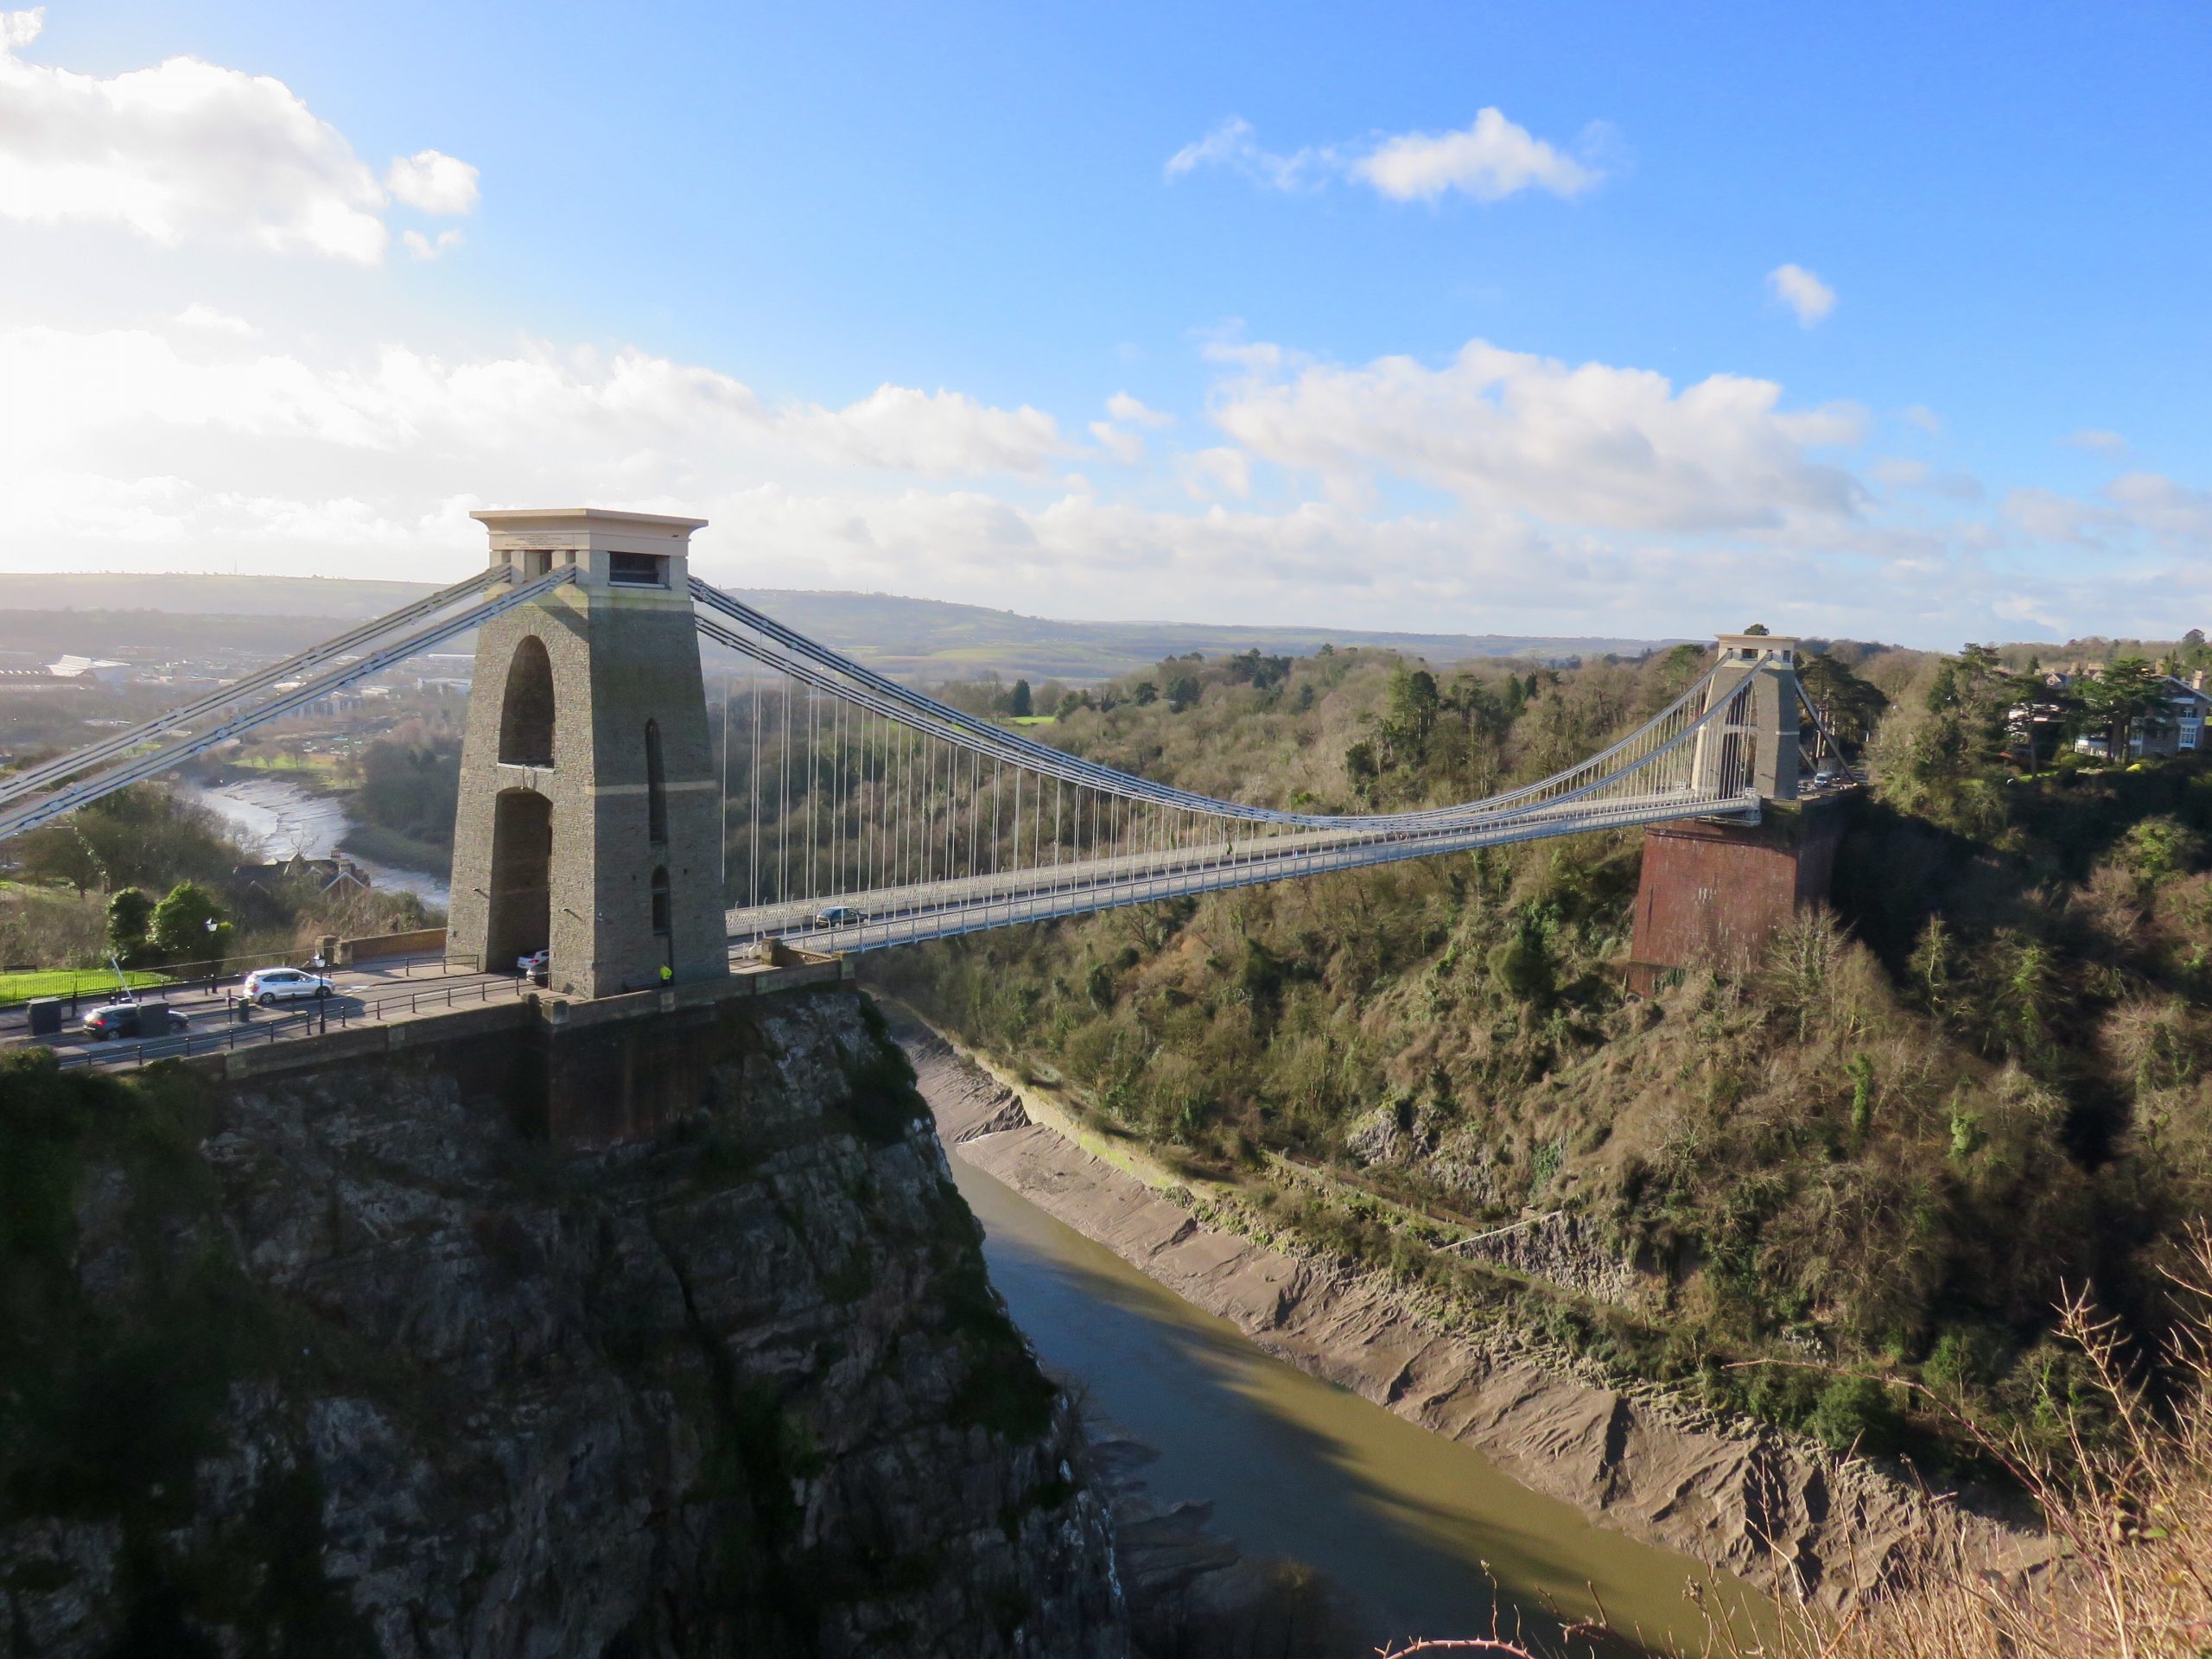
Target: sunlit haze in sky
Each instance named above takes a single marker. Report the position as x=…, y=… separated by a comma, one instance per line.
x=1890, y=322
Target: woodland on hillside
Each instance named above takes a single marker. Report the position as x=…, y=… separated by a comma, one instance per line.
x=1879, y=1157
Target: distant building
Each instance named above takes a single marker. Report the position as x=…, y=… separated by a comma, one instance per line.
x=99, y=669
x=324, y=874
x=2181, y=732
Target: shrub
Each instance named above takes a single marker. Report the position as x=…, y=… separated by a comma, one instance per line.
x=187, y=926
x=1854, y=1412
x=1521, y=966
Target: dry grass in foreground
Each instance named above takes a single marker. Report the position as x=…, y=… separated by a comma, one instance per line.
x=2131, y=1515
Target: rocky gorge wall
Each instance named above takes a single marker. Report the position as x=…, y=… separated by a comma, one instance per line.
x=338, y=1363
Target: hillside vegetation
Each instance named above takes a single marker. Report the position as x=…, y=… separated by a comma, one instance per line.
x=1883, y=1152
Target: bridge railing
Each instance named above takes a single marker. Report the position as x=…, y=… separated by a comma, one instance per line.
x=339, y=1010
x=95, y=986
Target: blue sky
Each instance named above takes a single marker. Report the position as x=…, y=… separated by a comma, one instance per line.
x=920, y=299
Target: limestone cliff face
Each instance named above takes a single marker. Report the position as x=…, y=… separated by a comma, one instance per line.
x=338, y=1364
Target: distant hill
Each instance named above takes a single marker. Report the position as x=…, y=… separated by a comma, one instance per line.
x=126, y=616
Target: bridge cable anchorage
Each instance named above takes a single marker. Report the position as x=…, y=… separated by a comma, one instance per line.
x=1120, y=839
x=68, y=799
x=32, y=780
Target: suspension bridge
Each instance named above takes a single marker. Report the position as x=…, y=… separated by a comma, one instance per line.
x=841, y=811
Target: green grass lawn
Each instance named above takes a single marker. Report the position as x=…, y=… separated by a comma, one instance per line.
x=63, y=981
x=1034, y=720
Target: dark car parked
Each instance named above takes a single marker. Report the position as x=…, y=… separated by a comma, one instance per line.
x=132, y=1019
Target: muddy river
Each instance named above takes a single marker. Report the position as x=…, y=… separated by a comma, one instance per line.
x=278, y=819
x=1412, y=1528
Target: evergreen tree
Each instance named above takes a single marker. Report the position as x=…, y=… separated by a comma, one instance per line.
x=128, y=913
x=187, y=926
x=2127, y=694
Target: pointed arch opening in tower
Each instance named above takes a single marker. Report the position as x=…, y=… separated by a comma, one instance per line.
x=526, y=715
x=522, y=877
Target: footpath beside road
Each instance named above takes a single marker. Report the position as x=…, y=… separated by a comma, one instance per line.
x=1777, y=1512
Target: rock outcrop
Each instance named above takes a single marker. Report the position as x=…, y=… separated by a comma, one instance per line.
x=337, y=1363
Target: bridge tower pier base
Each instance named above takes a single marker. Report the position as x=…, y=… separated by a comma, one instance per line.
x=1712, y=892
x=589, y=822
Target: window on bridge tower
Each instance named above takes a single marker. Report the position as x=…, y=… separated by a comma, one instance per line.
x=656, y=788
x=526, y=715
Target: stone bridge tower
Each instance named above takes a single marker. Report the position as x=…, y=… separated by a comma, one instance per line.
x=1712, y=892
x=588, y=822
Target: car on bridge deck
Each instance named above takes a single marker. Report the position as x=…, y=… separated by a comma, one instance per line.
x=536, y=967
x=132, y=1019
x=269, y=986
x=838, y=916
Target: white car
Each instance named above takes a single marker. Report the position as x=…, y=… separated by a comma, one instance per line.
x=269, y=986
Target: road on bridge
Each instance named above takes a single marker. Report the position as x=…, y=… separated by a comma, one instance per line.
x=937, y=910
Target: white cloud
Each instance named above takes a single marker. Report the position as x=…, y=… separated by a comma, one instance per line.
x=1122, y=407
x=1589, y=498
x=1232, y=144
x=196, y=315
x=433, y=183
x=190, y=150
x=944, y=433
x=133, y=391
x=2175, y=514
x=1212, y=473
x=2102, y=443
x=424, y=248
x=1490, y=159
x=1802, y=292
x=1925, y=418
x=2046, y=516
x=1900, y=473
x=1125, y=446
x=1589, y=446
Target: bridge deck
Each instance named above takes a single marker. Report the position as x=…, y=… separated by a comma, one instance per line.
x=906, y=915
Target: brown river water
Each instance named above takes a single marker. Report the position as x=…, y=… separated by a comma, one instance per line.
x=1411, y=1528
